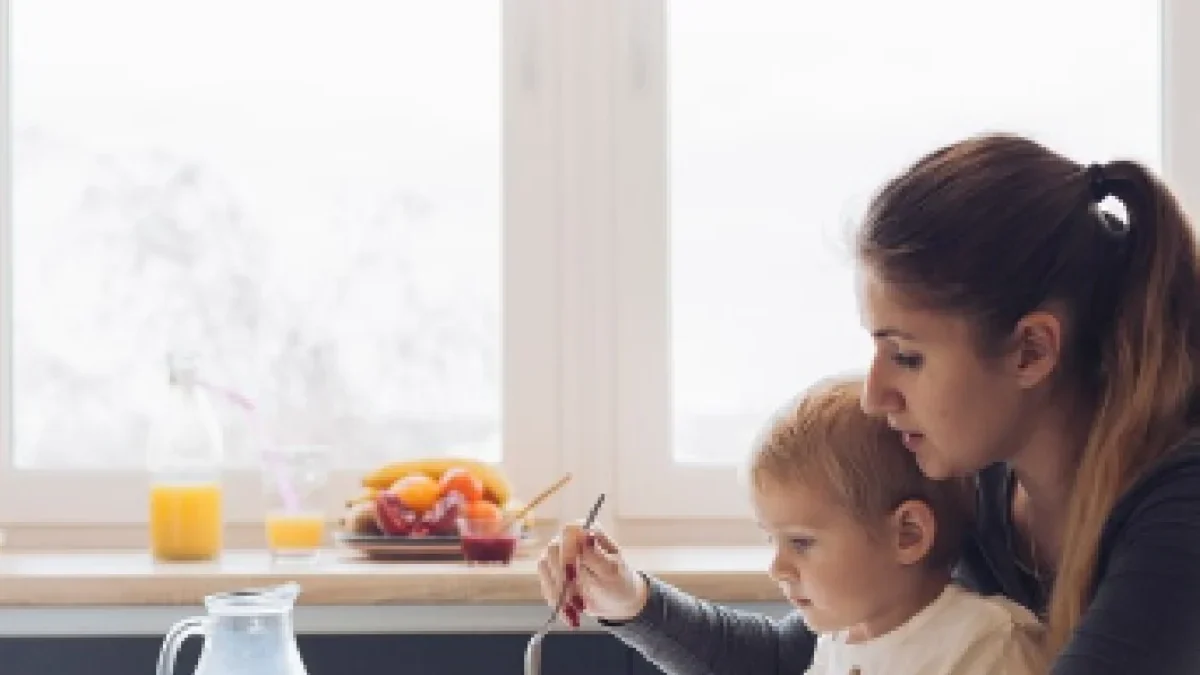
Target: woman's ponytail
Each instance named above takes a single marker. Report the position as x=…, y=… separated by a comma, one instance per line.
x=1147, y=377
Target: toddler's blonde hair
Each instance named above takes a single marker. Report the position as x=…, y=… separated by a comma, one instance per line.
x=824, y=441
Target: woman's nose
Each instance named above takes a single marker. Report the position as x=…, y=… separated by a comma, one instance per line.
x=878, y=396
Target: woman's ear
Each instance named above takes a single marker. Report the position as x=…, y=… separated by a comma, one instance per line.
x=1037, y=341
x=913, y=531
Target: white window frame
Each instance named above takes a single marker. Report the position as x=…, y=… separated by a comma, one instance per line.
x=1181, y=100
x=652, y=485
x=532, y=335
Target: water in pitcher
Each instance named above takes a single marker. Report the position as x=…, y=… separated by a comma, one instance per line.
x=245, y=633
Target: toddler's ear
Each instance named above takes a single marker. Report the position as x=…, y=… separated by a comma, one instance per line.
x=914, y=529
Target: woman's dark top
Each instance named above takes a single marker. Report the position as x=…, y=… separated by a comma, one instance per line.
x=1144, y=616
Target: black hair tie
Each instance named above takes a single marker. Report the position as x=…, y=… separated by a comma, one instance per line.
x=1098, y=183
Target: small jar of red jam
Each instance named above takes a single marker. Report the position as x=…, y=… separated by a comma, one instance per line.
x=488, y=541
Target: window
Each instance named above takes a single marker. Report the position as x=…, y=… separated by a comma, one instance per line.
x=764, y=188
x=322, y=225
x=776, y=139
x=599, y=237
x=310, y=201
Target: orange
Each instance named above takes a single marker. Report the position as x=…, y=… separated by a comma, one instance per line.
x=461, y=481
x=418, y=491
x=482, y=509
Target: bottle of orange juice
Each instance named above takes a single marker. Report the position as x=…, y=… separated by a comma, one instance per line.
x=184, y=459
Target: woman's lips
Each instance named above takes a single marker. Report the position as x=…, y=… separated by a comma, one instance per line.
x=912, y=439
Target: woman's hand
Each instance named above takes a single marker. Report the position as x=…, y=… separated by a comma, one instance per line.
x=598, y=580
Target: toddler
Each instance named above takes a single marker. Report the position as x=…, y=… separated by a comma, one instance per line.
x=864, y=546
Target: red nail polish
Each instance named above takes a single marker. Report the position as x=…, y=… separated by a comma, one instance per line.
x=577, y=602
x=570, y=571
x=572, y=617
x=591, y=540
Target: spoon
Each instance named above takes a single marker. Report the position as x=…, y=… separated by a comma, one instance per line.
x=533, y=651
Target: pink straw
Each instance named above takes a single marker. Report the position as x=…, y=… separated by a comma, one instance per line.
x=291, y=500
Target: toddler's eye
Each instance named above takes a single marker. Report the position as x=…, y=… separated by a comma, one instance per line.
x=802, y=544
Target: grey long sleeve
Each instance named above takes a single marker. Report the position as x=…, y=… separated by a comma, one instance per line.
x=683, y=635
x=1144, y=616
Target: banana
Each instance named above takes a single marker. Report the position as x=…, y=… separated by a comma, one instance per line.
x=368, y=494
x=496, y=487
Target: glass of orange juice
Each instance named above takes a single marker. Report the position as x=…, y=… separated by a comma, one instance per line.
x=295, y=478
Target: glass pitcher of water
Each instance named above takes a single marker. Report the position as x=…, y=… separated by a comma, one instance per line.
x=245, y=633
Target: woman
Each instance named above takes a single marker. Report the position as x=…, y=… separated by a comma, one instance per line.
x=1028, y=338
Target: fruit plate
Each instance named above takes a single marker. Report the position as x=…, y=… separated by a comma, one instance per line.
x=384, y=547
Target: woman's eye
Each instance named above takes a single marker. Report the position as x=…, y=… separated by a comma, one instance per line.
x=908, y=360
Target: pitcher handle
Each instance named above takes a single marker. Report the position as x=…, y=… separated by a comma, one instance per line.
x=181, y=631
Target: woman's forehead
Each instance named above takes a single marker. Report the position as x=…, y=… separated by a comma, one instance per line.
x=887, y=313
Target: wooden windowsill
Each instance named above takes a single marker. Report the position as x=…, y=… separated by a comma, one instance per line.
x=75, y=579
